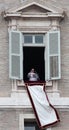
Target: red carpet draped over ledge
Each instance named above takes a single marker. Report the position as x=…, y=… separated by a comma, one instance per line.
x=45, y=113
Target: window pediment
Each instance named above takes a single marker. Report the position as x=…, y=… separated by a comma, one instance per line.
x=37, y=9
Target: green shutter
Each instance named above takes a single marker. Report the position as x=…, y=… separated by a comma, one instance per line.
x=15, y=55
x=53, y=55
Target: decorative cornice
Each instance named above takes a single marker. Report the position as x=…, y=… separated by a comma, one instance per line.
x=19, y=102
x=21, y=11
x=40, y=15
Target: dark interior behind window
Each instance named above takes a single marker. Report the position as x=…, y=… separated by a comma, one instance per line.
x=34, y=58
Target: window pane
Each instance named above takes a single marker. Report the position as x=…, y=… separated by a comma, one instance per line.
x=39, y=39
x=27, y=38
x=54, y=66
x=31, y=126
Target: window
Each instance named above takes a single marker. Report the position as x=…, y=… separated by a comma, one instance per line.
x=33, y=38
x=39, y=39
x=28, y=38
x=30, y=125
x=33, y=54
x=46, y=58
x=34, y=57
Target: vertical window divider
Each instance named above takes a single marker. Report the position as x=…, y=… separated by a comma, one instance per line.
x=33, y=39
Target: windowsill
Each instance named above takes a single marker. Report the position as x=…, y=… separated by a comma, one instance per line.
x=22, y=83
x=21, y=89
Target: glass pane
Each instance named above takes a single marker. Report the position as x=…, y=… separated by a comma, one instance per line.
x=39, y=39
x=54, y=66
x=29, y=128
x=27, y=38
x=31, y=125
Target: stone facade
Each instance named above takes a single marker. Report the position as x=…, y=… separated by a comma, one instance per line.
x=14, y=102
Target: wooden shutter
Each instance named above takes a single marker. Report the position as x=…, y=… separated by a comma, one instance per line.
x=53, y=55
x=15, y=55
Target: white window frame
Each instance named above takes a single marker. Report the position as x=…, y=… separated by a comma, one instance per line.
x=47, y=55
x=33, y=40
x=23, y=116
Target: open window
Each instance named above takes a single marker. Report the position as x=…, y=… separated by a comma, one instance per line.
x=39, y=51
x=34, y=58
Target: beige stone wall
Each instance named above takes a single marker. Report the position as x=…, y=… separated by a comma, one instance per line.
x=4, y=58
x=64, y=121
x=64, y=82
x=9, y=120
x=5, y=83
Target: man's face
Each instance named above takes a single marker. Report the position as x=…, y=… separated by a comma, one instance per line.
x=32, y=70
